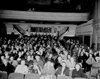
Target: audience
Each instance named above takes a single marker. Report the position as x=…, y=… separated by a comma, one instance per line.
x=46, y=55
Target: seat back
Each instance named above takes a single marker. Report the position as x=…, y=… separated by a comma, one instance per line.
x=54, y=77
x=3, y=75
x=88, y=74
x=98, y=76
x=80, y=78
x=64, y=77
x=32, y=76
x=94, y=71
x=16, y=76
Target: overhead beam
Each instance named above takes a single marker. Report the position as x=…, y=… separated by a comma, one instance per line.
x=46, y=16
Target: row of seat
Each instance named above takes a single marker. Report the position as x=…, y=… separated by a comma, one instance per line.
x=95, y=72
x=22, y=76
x=3, y=75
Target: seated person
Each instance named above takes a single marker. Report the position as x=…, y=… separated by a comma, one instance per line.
x=22, y=68
x=62, y=70
x=39, y=61
x=29, y=61
x=11, y=59
x=6, y=66
x=48, y=68
x=78, y=72
x=71, y=64
x=57, y=62
x=97, y=59
x=15, y=63
x=34, y=69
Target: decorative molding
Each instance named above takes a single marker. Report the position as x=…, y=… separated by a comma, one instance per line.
x=90, y=22
x=96, y=21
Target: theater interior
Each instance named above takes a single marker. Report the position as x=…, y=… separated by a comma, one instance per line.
x=44, y=34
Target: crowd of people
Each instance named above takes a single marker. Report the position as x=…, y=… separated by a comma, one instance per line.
x=46, y=55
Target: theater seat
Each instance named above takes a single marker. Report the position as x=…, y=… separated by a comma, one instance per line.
x=16, y=76
x=98, y=76
x=3, y=75
x=64, y=77
x=48, y=77
x=54, y=77
x=32, y=76
x=80, y=78
x=94, y=71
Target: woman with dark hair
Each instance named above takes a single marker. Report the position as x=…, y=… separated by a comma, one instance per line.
x=6, y=66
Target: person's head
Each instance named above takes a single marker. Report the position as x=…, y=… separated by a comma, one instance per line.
x=88, y=48
x=49, y=63
x=68, y=56
x=25, y=49
x=20, y=47
x=5, y=62
x=29, y=58
x=14, y=51
x=90, y=51
x=87, y=53
x=27, y=53
x=77, y=67
x=75, y=45
x=37, y=57
x=31, y=52
x=18, y=59
x=83, y=50
x=63, y=63
x=12, y=47
x=50, y=55
x=11, y=58
x=82, y=46
x=6, y=55
x=59, y=59
x=22, y=62
x=20, y=54
x=72, y=60
x=2, y=57
x=90, y=55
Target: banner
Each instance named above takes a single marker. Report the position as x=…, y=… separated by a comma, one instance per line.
x=65, y=29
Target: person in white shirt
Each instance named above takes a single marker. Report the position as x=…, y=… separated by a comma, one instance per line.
x=22, y=68
x=71, y=64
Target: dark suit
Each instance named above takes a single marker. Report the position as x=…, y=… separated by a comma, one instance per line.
x=78, y=73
